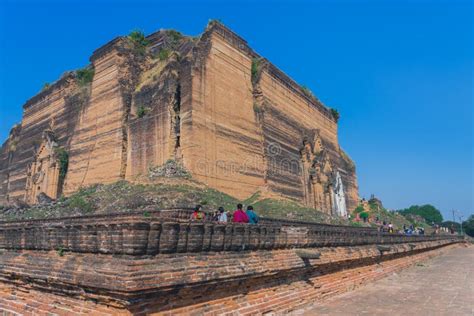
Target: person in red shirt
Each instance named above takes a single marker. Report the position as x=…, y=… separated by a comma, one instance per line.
x=239, y=215
x=198, y=214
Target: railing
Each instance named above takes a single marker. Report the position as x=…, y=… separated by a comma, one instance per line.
x=171, y=231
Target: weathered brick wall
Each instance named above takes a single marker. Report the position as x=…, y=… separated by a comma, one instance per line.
x=135, y=234
x=96, y=146
x=250, y=138
x=248, y=283
x=134, y=264
x=50, y=108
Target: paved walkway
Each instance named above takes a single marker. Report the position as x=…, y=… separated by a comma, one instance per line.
x=443, y=285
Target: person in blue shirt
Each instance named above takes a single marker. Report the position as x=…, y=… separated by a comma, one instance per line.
x=253, y=218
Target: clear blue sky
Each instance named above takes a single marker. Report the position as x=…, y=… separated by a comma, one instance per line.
x=400, y=73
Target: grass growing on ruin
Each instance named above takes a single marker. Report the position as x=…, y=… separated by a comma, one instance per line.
x=142, y=111
x=63, y=160
x=174, y=36
x=335, y=114
x=46, y=85
x=255, y=70
x=124, y=196
x=84, y=76
x=307, y=92
x=164, y=54
x=139, y=41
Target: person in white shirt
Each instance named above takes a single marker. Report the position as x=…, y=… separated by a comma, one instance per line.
x=222, y=218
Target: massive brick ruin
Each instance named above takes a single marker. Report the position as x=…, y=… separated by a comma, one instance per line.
x=238, y=124
x=233, y=119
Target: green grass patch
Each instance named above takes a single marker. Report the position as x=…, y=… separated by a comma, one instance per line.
x=255, y=70
x=139, y=41
x=85, y=76
x=164, y=54
x=141, y=111
x=63, y=160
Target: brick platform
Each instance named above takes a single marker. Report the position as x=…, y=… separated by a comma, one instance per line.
x=273, y=267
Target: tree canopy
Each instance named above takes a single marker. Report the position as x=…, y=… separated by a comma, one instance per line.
x=468, y=226
x=428, y=212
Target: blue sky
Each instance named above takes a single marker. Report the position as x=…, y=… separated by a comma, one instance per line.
x=400, y=73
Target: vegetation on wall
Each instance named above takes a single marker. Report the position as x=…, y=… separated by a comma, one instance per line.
x=63, y=160
x=335, y=114
x=163, y=54
x=359, y=209
x=46, y=85
x=255, y=69
x=364, y=216
x=307, y=92
x=174, y=36
x=139, y=41
x=85, y=75
x=13, y=144
x=257, y=108
x=142, y=111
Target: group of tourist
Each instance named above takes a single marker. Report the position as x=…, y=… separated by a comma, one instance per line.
x=412, y=230
x=221, y=216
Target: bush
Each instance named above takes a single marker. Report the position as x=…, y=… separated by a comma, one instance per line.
x=63, y=160
x=359, y=209
x=364, y=215
x=335, y=114
x=142, y=111
x=139, y=41
x=468, y=226
x=84, y=76
x=164, y=54
x=255, y=69
x=175, y=36
x=373, y=206
x=60, y=251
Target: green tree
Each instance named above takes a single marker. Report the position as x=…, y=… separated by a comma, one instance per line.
x=468, y=226
x=427, y=211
